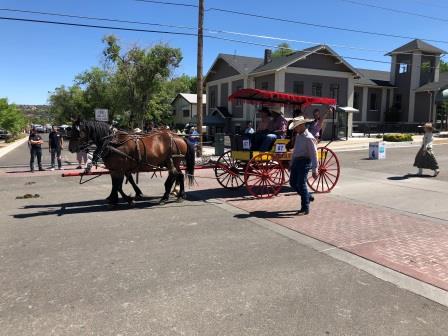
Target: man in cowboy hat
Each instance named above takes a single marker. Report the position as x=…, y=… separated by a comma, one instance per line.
x=277, y=129
x=304, y=158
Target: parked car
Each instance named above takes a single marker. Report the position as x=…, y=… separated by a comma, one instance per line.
x=39, y=128
x=63, y=130
x=47, y=128
x=3, y=134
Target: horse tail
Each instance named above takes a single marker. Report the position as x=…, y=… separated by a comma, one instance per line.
x=190, y=162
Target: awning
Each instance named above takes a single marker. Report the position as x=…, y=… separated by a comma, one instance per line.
x=265, y=97
x=347, y=109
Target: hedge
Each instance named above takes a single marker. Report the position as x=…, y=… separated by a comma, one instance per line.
x=397, y=137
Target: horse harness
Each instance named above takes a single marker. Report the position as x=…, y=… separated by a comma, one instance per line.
x=113, y=143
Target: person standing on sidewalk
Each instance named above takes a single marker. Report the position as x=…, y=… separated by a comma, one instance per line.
x=56, y=145
x=425, y=158
x=35, y=144
x=304, y=158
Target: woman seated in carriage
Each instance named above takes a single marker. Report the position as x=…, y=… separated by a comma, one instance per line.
x=271, y=127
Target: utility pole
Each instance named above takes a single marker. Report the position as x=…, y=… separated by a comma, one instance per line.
x=199, y=74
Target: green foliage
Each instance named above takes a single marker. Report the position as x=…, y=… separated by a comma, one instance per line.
x=11, y=118
x=397, y=137
x=283, y=49
x=134, y=86
x=443, y=66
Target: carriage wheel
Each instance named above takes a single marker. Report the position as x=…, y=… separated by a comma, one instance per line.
x=264, y=176
x=228, y=171
x=328, y=171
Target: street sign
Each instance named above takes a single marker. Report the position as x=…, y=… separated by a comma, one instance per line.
x=102, y=115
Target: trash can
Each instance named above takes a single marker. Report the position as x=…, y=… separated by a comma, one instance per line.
x=219, y=143
x=377, y=150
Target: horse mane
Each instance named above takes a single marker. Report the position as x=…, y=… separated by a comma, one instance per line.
x=97, y=130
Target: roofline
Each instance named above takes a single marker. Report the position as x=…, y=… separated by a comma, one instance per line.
x=317, y=48
x=214, y=63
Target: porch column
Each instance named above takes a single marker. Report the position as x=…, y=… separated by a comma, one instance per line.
x=280, y=80
x=391, y=97
x=229, y=103
x=415, y=83
x=218, y=103
x=383, y=103
x=351, y=91
x=365, y=97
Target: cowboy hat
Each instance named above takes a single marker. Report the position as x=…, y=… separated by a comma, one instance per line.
x=277, y=109
x=298, y=121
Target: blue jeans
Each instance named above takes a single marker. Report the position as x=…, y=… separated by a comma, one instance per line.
x=299, y=172
x=267, y=143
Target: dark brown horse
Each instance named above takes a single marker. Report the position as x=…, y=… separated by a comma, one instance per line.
x=124, y=153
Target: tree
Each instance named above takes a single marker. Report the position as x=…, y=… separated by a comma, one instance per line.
x=11, y=118
x=443, y=66
x=141, y=72
x=283, y=49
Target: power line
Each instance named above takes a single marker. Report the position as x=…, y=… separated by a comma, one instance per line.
x=179, y=33
x=213, y=31
x=94, y=18
x=169, y=3
x=294, y=21
x=395, y=10
x=321, y=26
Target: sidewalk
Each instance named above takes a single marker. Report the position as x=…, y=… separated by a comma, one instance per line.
x=377, y=224
x=5, y=148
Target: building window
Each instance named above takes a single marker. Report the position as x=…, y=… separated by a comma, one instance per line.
x=397, y=101
x=317, y=90
x=297, y=87
x=334, y=91
x=186, y=113
x=404, y=68
x=212, y=99
x=373, y=102
x=264, y=85
x=238, y=102
x=356, y=100
x=426, y=66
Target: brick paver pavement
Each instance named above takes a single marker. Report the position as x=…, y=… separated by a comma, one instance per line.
x=415, y=246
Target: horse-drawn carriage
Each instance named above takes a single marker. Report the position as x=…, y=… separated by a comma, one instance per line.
x=264, y=173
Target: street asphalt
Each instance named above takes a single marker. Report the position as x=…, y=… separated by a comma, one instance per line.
x=71, y=266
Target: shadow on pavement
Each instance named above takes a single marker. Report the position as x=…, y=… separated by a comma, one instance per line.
x=268, y=214
x=407, y=176
x=92, y=206
x=236, y=194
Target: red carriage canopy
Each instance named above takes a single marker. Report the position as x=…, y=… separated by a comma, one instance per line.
x=265, y=97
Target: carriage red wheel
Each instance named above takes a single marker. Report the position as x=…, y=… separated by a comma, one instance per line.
x=264, y=176
x=228, y=171
x=328, y=171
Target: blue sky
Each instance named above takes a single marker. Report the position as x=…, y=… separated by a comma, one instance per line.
x=37, y=58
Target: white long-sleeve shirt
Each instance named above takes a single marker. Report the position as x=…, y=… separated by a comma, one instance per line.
x=305, y=146
x=427, y=140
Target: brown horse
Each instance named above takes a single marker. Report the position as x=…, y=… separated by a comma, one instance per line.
x=124, y=154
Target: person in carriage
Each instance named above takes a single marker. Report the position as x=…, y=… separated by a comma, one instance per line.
x=271, y=127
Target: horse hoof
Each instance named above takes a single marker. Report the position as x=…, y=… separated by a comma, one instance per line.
x=163, y=201
x=138, y=197
x=180, y=199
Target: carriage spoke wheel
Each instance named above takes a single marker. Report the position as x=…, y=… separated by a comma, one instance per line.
x=328, y=171
x=264, y=176
x=228, y=171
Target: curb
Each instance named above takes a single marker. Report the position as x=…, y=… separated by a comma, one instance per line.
x=12, y=146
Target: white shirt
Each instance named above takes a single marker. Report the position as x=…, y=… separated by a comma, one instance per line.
x=427, y=140
x=305, y=146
